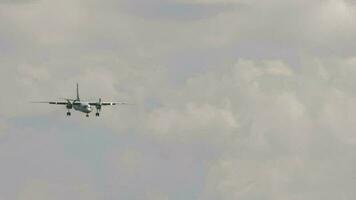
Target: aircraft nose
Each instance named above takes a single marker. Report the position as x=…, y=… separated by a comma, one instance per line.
x=89, y=109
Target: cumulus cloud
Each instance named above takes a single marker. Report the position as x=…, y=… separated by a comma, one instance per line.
x=240, y=100
x=283, y=116
x=192, y=119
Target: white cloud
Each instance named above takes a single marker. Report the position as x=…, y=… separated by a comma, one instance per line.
x=46, y=22
x=278, y=68
x=130, y=160
x=266, y=127
x=41, y=190
x=191, y=120
x=35, y=190
x=280, y=133
x=271, y=128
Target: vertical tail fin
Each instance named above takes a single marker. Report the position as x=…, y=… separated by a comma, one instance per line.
x=78, y=92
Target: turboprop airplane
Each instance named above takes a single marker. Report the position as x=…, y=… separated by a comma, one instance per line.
x=84, y=107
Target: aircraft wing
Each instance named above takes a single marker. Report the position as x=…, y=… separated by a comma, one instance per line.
x=52, y=102
x=108, y=103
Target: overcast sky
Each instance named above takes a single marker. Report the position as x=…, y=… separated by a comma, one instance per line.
x=234, y=99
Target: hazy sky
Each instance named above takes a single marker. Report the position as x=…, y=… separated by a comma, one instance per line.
x=234, y=99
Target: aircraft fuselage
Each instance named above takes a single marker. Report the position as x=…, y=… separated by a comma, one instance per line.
x=82, y=107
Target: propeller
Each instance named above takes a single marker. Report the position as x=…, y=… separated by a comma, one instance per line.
x=69, y=104
x=98, y=105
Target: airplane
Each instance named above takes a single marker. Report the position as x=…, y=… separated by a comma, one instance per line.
x=84, y=107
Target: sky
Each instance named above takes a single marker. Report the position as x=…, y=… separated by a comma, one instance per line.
x=234, y=99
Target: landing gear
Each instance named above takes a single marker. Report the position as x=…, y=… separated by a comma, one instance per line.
x=87, y=115
x=98, y=109
x=68, y=113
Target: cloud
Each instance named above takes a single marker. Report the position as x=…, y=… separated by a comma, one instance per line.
x=40, y=189
x=265, y=110
x=193, y=119
x=45, y=22
x=274, y=129
x=173, y=10
x=280, y=135
x=17, y=1
x=234, y=100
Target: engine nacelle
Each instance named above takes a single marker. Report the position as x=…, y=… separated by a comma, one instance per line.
x=98, y=105
x=69, y=106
